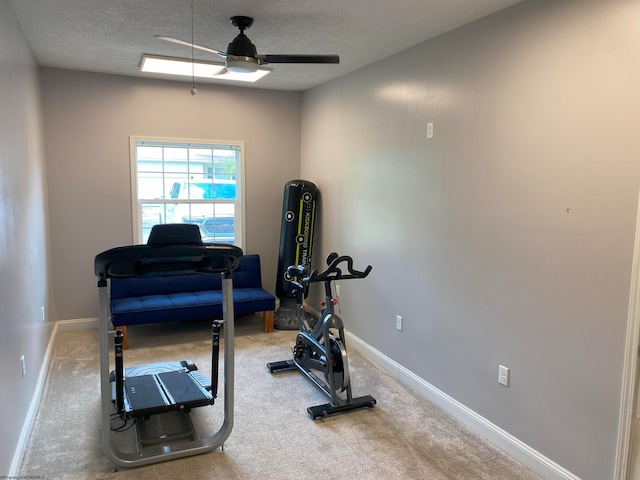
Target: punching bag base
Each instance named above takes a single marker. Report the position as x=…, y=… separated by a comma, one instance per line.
x=285, y=317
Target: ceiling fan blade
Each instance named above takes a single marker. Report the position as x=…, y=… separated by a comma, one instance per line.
x=298, y=58
x=189, y=44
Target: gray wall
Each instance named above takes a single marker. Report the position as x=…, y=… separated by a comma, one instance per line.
x=88, y=119
x=23, y=232
x=505, y=239
x=508, y=237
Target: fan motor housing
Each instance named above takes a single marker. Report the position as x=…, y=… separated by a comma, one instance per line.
x=242, y=47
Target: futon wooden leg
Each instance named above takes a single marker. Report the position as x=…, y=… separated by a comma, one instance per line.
x=125, y=343
x=267, y=318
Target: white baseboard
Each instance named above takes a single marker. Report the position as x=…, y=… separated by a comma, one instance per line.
x=21, y=447
x=78, y=324
x=520, y=451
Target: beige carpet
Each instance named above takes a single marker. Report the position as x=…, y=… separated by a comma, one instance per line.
x=404, y=437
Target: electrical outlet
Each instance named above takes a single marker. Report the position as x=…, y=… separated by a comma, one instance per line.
x=43, y=316
x=503, y=375
x=399, y=322
x=430, y=130
x=23, y=365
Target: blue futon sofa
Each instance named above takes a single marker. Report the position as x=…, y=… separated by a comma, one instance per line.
x=189, y=296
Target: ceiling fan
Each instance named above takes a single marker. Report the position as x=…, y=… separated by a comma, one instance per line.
x=241, y=55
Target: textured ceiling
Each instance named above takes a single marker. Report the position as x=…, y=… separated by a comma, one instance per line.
x=111, y=35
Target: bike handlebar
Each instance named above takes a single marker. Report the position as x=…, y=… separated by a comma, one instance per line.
x=298, y=271
x=332, y=272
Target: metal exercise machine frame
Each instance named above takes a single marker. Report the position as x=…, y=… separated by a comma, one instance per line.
x=137, y=260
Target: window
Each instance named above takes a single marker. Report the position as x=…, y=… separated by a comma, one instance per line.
x=184, y=181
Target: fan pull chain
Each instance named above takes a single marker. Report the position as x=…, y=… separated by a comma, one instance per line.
x=193, y=75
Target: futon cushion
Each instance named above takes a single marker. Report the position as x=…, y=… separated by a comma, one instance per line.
x=187, y=296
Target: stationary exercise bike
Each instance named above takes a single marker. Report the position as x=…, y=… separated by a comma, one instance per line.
x=322, y=348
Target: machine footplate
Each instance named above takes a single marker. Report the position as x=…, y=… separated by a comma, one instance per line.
x=159, y=388
x=144, y=396
x=321, y=411
x=184, y=391
x=282, y=366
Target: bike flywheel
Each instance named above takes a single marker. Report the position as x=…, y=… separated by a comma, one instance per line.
x=340, y=364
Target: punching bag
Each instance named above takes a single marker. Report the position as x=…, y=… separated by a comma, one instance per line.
x=296, y=244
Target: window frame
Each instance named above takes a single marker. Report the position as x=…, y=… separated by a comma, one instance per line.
x=136, y=203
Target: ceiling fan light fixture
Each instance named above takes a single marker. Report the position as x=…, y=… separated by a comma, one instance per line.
x=242, y=64
x=244, y=77
x=180, y=66
x=212, y=70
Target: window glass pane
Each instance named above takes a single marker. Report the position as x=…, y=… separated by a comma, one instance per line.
x=175, y=155
x=189, y=212
x=152, y=214
x=225, y=210
x=224, y=164
x=148, y=153
x=218, y=229
x=200, y=190
x=150, y=185
x=176, y=186
x=225, y=191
